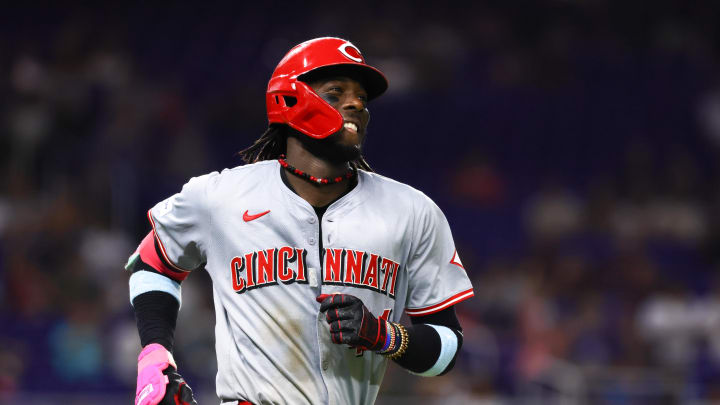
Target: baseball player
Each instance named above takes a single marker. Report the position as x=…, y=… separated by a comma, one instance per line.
x=313, y=257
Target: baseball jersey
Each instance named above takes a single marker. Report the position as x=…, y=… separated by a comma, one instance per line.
x=383, y=242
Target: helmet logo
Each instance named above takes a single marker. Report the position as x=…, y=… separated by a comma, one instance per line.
x=351, y=52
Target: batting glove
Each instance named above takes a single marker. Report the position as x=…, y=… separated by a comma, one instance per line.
x=158, y=381
x=352, y=323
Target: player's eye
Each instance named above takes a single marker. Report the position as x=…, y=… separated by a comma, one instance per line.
x=330, y=97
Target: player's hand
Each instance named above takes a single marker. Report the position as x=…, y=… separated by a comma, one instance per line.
x=352, y=323
x=158, y=381
x=177, y=392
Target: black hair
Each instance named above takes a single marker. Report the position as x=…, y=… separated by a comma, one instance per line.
x=273, y=143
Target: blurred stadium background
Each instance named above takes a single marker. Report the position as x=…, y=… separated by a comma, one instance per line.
x=573, y=146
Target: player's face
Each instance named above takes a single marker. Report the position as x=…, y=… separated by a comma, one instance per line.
x=349, y=98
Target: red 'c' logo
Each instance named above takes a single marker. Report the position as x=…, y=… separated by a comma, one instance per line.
x=351, y=52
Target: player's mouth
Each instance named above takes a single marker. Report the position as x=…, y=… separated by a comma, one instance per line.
x=351, y=127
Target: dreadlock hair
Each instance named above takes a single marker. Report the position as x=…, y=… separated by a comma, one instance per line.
x=273, y=143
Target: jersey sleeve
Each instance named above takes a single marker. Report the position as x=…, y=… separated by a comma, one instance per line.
x=179, y=224
x=436, y=277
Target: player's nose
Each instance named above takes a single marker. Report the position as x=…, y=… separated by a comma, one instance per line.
x=354, y=101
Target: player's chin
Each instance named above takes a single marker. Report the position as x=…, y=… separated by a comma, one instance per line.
x=341, y=147
x=347, y=145
x=349, y=137
x=342, y=152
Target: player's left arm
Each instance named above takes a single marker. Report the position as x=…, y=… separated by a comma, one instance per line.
x=437, y=281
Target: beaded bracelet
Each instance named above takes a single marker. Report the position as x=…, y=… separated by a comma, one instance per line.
x=390, y=330
x=403, y=342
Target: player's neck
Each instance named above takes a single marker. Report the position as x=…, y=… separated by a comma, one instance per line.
x=316, y=195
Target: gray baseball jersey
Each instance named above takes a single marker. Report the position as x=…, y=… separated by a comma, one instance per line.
x=383, y=242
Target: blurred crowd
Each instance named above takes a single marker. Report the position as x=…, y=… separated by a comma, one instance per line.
x=572, y=146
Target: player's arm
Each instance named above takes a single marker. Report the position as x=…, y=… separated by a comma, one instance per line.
x=155, y=297
x=160, y=264
x=434, y=342
x=428, y=347
x=436, y=282
x=154, y=293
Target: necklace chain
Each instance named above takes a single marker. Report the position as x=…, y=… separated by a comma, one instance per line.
x=313, y=179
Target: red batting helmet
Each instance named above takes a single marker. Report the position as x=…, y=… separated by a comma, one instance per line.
x=291, y=101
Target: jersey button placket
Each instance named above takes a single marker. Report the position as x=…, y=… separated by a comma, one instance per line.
x=324, y=351
x=312, y=220
x=313, y=277
x=311, y=230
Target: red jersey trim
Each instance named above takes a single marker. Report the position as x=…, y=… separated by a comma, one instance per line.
x=162, y=247
x=459, y=297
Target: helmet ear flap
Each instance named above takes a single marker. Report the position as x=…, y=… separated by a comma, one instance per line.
x=298, y=106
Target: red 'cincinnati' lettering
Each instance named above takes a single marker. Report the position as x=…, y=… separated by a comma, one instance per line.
x=389, y=268
x=285, y=254
x=394, y=278
x=360, y=269
x=300, y=277
x=237, y=265
x=333, y=265
x=264, y=267
x=249, y=264
x=371, y=274
x=287, y=264
x=353, y=266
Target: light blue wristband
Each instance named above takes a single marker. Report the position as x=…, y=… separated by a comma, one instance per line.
x=448, y=348
x=144, y=281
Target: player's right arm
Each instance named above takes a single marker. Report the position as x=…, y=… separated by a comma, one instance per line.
x=155, y=297
x=161, y=262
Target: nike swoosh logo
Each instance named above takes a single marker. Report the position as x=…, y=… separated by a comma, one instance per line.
x=247, y=217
